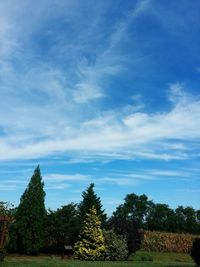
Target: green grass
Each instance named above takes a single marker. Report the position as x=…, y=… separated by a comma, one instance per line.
x=159, y=260
x=163, y=257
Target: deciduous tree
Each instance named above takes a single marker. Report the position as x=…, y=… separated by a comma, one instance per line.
x=62, y=228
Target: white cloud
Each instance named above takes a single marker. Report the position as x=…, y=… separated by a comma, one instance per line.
x=116, y=178
x=124, y=180
x=177, y=94
x=135, y=135
x=168, y=173
x=60, y=186
x=7, y=188
x=189, y=190
x=112, y=202
x=40, y=99
x=86, y=92
x=141, y=7
x=107, y=62
x=65, y=177
x=57, y=181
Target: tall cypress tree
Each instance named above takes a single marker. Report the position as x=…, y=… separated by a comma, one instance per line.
x=90, y=199
x=30, y=216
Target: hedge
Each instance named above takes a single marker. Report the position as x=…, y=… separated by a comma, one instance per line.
x=167, y=242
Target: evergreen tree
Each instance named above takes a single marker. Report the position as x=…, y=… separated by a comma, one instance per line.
x=91, y=245
x=90, y=199
x=30, y=217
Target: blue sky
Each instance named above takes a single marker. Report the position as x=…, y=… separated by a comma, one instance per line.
x=104, y=92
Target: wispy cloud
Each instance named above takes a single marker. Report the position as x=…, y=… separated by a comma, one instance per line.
x=189, y=190
x=57, y=181
x=169, y=173
x=112, y=202
x=117, y=178
x=66, y=177
x=8, y=188
x=60, y=186
x=47, y=106
x=130, y=135
x=83, y=92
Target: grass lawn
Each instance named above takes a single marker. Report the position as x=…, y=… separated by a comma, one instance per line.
x=159, y=260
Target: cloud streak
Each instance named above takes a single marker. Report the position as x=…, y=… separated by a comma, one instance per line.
x=129, y=135
x=55, y=104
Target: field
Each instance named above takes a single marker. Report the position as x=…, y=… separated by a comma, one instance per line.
x=159, y=260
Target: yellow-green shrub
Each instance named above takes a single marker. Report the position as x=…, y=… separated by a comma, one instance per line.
x=167, y=242
x=91, y=245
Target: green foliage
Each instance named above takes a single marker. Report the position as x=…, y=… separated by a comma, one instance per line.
x=90, y=199
x=91, y=245
x=2, y=254
x=160, y=218
x=6, y=208
x=62, y=228
x=195, y=251
x=28, y=228
x=3, y=208
x=128, y=218
x=115, y=246
x=141, y=256
x=180, y=220
x=146, y=257
x=127, y=228
x=136, y=208
x=187, y=220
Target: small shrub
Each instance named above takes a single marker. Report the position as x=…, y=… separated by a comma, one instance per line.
x=115, y=246
x=129, y=229
x=195, y=251
x=2, y=254
x=146, y=257
x=140, y=256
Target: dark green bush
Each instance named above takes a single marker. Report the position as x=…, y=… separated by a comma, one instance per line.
x=116, y=246
x=140, y=256
x=195, y=251
x=146, y=257
x=128, y=228
x=2, y=254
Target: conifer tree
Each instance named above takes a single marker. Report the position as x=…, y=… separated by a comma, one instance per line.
x=91, y=245
x=90, y=199
x=30, y=216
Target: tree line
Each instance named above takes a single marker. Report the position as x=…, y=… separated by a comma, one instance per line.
x=35, y=229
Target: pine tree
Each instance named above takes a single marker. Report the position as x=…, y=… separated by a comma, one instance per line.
x=30, y=216
x=91, y=245
x=90, y=199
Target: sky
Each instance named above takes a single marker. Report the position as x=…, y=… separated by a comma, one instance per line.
x=101, y=91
